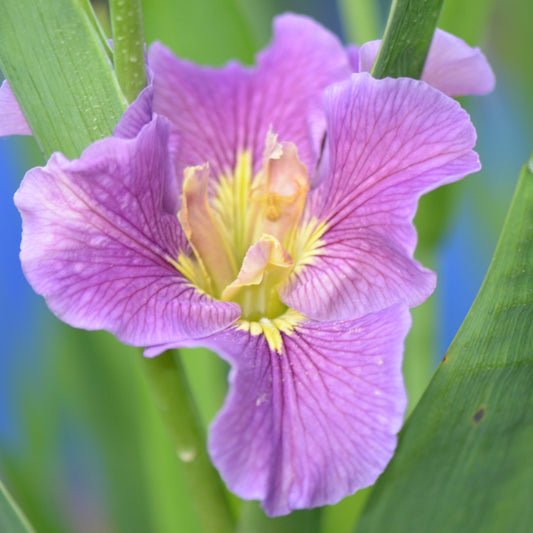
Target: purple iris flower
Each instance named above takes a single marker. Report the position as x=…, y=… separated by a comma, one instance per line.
x=265, y=213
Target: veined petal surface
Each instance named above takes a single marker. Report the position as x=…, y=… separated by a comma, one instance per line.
x=452, y=66
x=98, y=245
x=12, y=121
x=137, y=115
x=390, y=141
x=308, y=424
x=218, y=113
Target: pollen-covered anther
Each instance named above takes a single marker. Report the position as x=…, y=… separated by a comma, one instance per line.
x=281, y=189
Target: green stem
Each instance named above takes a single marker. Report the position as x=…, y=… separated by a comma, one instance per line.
x=360, y=20
x=93, y=21
x=170, y=388
x=128, y=46
x=407, y=38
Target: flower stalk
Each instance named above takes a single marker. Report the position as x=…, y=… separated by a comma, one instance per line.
x=168, y=382
x=128, y=46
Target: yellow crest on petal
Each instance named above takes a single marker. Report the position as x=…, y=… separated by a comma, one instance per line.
x=273, y=328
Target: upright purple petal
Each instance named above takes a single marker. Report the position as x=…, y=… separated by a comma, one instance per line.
x=390, y=141
x=317, y=421
x=457, y=69
x=12, y=121
x=137, y=115
x=353, y=55
x=220, y=112
x=98, y=246
x=452, y=66
x=367, y=56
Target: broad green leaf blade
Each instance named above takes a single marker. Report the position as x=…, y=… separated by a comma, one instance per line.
x=60, y=73
x=11, y=518
x=464, y=458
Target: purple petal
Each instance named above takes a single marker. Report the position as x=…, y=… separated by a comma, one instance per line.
x=12, y=121
x=137, y=115
x=353, y=56
x=455, y=68
x=390, y=142
x=452, y=66
x=220, y=112
x=98, y=246
x=317, y=421
x=367, y=55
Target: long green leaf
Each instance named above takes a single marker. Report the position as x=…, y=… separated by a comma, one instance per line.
x=11, y=518
x=60, y=73
x=407, y=38
x=464, y=458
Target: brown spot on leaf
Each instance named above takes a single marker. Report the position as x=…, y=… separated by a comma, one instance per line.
x=445, y=358
x=477, y=417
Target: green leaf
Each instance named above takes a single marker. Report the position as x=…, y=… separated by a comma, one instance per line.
x=60, y=72
x=407, y=38
x=11, y=518
x=464, y=458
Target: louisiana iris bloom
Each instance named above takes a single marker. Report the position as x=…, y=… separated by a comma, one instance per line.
x=265, y=213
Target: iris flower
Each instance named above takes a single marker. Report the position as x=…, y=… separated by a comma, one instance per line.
x=265, y=213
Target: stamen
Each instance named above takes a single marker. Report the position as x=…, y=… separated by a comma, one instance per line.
x=281, y=191
x=208, y=243
x=266, y=265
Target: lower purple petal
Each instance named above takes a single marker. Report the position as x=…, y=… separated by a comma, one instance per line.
x=317, y=421
x=390, y=141
x=98, y=245
x=358, y=271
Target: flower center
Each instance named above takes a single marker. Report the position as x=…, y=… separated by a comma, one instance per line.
x=243, y=231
